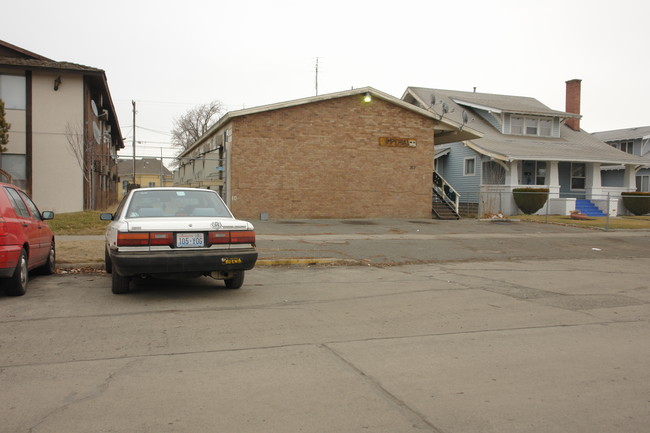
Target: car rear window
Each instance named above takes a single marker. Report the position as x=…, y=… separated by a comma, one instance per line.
x=17, y=202
x=174, y=203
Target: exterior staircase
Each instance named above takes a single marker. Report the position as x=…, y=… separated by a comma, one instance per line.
x=588, y=208
x=444, y=203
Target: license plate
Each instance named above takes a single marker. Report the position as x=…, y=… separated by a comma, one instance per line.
x=189, y=240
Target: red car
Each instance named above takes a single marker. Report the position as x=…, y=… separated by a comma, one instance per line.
x=26, y=241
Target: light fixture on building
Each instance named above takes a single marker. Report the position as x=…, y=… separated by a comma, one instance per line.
x=367, y=97
x=57, y=83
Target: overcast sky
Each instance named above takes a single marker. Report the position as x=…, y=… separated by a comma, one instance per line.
x=169, y=56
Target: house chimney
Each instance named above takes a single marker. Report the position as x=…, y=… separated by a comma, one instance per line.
x=573, y=103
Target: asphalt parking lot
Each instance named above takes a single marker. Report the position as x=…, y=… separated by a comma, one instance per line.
x=425, y=327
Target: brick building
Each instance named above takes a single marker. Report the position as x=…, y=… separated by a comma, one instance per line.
x=354, y=154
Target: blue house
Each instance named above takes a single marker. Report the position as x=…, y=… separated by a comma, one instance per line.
x=635, y=141
x=524, y=144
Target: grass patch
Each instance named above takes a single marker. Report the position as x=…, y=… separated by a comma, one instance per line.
x=78, y=223
x=615, y=223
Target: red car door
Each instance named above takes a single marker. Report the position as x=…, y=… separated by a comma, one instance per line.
x=25, y=228
x=43, y=236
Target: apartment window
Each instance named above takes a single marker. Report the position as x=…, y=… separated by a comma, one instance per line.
x=578, y=175
x=521, y=125
x=13, y=92
x=470, y=167
x=15, y=165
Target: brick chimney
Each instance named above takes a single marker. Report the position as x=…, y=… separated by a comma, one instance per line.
x=573, y=102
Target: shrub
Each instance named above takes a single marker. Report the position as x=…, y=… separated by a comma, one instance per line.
x=530, y=200
x=637, y=202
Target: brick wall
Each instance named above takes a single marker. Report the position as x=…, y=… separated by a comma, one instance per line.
x=323, y=160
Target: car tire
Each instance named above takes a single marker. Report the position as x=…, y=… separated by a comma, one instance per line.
x=18, y=282
x=49, y=267
x=120, y=284
x=236, y=281
x=108, y=264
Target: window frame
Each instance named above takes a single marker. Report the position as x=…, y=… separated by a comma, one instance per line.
x=524, y=123
x=584, y=187
x=466, y=172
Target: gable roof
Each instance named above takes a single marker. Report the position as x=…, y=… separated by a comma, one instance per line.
x=146, y=165
x=578, y=146
x=446, y=130
x=642, y=132
x=13, y=57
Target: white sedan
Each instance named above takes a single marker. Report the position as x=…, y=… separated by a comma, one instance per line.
x=178, y=232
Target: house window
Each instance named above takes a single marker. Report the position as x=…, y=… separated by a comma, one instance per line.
x=545, y=127
x=531, y=126
x=627, y=146
x=643, y=183
x=152, y=184
x=540, y=173
x=470, y=167
x=517, y=125
x=125, y=184
x=520, y=125
x=578, y=175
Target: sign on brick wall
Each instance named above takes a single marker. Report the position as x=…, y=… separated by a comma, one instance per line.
x=397, y=142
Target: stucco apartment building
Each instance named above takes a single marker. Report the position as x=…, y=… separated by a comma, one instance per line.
x=354, y=154
x=53, y=107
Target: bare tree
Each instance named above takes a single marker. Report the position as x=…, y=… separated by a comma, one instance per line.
x=4, y=128
x=192, y=125
x=78, y=146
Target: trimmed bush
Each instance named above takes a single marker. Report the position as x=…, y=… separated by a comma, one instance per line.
x=637, y=202
x=530, y=200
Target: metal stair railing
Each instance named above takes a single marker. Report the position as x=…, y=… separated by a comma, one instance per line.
x=446, y=191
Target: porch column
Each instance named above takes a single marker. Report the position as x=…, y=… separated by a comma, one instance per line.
x=593, y=187
x=553, y=179
x=629, y=181
x=512, y=175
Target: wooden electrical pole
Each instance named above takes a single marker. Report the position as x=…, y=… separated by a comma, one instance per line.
x=133, y=102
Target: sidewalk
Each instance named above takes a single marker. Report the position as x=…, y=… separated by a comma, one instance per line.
x=384, y=242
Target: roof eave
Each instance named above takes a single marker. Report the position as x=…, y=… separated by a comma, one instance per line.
x=443, y=126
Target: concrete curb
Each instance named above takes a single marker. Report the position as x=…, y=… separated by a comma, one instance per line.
x=99, y=266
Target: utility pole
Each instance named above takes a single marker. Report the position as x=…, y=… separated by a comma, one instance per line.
x=316, y=76
x=133, y=102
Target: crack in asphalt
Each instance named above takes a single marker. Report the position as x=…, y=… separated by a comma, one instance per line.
x=417, y=419
x=73, y=399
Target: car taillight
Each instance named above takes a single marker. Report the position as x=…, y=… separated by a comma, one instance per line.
x=132, y=239
x=144, y=239
x=225, y=237
x=161, y=238
x=219, y=237
x=245, y=237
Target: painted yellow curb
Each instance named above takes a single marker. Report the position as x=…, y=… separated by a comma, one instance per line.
x=285, y=262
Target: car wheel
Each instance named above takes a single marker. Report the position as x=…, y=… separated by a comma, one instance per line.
x=50, y=266
x=108, y=264
x=236, y=281
x=18, y=282
x=120, y=284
